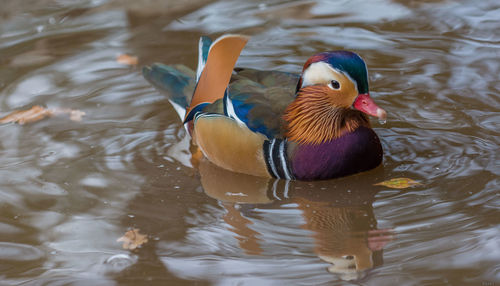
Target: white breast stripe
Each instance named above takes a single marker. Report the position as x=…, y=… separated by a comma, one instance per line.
x=283, y=160
x=271, y=161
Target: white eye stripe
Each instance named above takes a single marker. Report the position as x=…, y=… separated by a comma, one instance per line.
x=321, y=73
x=317, y=73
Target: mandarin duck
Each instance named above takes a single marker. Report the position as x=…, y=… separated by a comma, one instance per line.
x=307, y=126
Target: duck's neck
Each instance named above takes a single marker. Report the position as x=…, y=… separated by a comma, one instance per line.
x=313, y=119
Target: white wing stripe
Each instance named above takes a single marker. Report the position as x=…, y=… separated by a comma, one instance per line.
x=230, y=110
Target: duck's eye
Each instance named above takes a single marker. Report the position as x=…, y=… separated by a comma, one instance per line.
x=334, y=84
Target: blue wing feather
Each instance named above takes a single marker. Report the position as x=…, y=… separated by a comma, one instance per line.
x=242, y=108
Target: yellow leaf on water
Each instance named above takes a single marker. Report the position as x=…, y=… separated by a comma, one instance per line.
x=127, y=60
x=132, y=239
x=399, y=183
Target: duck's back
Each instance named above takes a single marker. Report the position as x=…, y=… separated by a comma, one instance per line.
x=259, y=99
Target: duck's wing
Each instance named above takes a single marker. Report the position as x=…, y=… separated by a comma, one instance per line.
x=258, y=99
x=232, y=131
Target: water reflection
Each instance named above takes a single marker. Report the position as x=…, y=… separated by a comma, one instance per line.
x=341, y=221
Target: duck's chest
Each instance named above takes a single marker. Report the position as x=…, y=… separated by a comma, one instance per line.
x=354, y=152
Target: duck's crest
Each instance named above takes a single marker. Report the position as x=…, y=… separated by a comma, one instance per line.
x=346, y=62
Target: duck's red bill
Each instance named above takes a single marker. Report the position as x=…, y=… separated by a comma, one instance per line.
x=365, y=104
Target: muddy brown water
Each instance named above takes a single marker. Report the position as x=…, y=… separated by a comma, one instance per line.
x=69, y=190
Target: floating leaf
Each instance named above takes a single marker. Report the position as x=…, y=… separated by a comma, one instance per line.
x=127, y=60
x=399, y=183
x=132, y=239
x=37, y=113
x=34, y=114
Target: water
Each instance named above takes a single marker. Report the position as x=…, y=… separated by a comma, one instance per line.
x=69, y=190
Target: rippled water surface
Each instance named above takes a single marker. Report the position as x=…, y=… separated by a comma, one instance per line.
x=69, y=189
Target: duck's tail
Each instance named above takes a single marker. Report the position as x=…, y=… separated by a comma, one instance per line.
x=177, y=82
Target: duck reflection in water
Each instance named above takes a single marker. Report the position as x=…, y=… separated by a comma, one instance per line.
x=342, y=221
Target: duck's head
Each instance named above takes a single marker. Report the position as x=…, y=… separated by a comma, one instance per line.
x=332, y=98
x=342, y=77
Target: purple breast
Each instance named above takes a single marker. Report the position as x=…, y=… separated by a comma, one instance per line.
x=354, y=152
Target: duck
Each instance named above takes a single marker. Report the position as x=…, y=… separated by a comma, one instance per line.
x=311, y=125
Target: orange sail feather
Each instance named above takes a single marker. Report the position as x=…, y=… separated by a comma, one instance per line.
x=215, y=77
